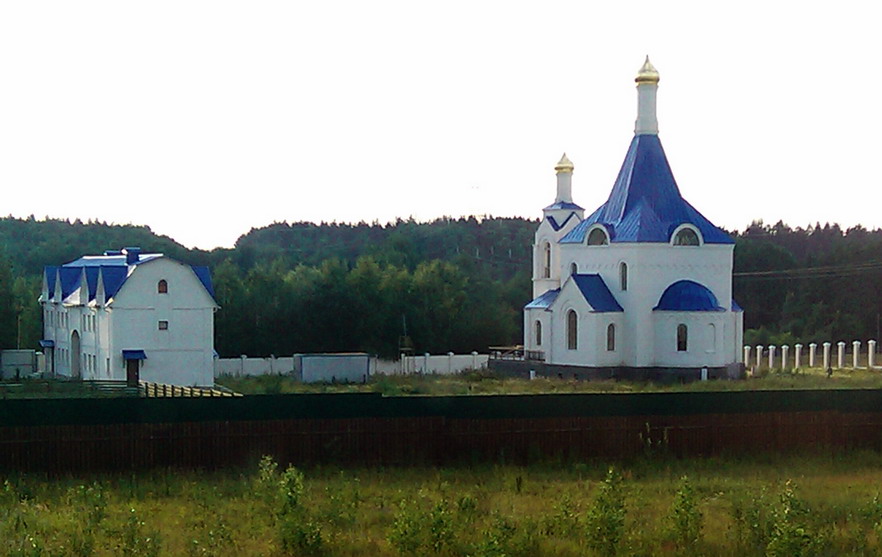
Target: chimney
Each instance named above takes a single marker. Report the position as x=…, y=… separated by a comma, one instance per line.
x=132, y=255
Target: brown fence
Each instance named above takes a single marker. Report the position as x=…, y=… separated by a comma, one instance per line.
x=427, y=440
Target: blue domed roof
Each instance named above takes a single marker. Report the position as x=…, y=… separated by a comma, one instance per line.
x=688, y=295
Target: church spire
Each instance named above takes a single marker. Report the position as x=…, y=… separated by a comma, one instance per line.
x=564, y=170
x=647, y=86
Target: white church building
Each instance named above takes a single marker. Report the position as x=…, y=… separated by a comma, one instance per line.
x=645, y=281
x=131, y=316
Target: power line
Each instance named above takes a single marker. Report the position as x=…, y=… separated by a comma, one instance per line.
x=829, y=271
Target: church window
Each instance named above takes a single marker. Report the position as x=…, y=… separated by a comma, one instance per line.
x=623, y=275
x=597, y=237
x=573, y=268
x=538, y=333
x=712, y=334
x=686, y=237
x=611, y=338
x=162, y=287
x=546, y=260
x=163, y=325
x=682, y=338
x=572, y=330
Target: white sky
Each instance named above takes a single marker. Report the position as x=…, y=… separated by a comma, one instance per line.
x=205, y=119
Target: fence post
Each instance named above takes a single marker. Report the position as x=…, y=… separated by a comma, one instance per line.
x=746, y=357
x=784, y=351
x=855, y=353
x=840, y=354
x=450, y=362
x=827, y=346
x=871, y=354
x=759, y=356
x=813, y=346
x=474, y=360
x=426, y=362
x=797, y=355
x=771, y=356
x=242, y=359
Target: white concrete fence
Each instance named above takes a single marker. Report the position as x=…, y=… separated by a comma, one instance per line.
x=443, y=364
x=813, y=355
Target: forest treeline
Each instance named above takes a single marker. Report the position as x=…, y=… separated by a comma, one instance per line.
x=446, y=285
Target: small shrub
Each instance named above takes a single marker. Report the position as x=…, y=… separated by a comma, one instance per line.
x=406, y=533
x=440, y=528
x=290, y=490
x=791, y=535
x=606, y=518
x=135, y=542
x=301, y=536
x=686, y=518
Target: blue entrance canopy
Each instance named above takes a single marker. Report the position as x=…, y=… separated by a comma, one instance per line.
x=134, y=355
x=47, y=343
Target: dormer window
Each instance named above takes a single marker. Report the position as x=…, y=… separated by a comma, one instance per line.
x=686, y=236
x=598, y=237
x=162, y=287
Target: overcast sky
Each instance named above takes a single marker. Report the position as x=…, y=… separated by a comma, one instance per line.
x=205, y=119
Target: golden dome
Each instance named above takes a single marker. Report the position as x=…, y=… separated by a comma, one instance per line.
x=647, y=74
x=565, y=165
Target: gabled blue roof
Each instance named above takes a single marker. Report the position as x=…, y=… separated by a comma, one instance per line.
x=544, y=301
x=688, y=295
x=645, y=204
x=113, y=278
x=735, y=306
x=114, y=271
x=70, y=280
x=596, y=293
x=204, y=276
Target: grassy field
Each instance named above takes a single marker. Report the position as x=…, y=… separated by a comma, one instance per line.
x=793, y=505
x=477, y=383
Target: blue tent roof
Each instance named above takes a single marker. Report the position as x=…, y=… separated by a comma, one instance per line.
x=688, y=295
x=544, y=301
x=596, y=293
x=564, y=205
x=645, y=204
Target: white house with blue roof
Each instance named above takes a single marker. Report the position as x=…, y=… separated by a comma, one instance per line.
x=645, y=281
x=127, y=315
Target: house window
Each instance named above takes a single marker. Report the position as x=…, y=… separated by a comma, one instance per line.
x=163, y=325
x=623, y=275
x=572, y=330
x=686, y=237
x=162, y=287
x=682, y=338
x=538, y=333
x=546, y=258
x=611, y=338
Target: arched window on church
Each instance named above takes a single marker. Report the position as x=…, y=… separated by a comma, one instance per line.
x=598, y=237
x=712, y=335
x=162, y=287
x=538, y=333
x=611, y=338
x=572, y=330
x=686, y=237
x=623, y=275
x=546, y=260
x=574, y=268
x=682, y=338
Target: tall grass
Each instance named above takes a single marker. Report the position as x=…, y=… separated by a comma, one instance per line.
x=773, y=505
